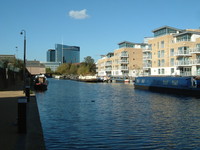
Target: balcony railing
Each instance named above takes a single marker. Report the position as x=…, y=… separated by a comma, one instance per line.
x=196, y=62
x=123, y=55
x=185, y=73
x=183, y=53
x=108, y=69
x=195, y=50
x=146, y=57
x=123, y=62
x=147, y=65
x=147, y=50
x=184, y=63
x=108, y=64
x=123, y=68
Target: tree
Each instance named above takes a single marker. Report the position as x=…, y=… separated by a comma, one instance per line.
x=73, y=69
x=62, y=69
x=88, y=60
x=48, y=70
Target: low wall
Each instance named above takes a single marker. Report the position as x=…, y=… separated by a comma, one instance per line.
x=9, y=78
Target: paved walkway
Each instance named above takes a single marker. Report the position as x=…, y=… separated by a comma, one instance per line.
x=10, y=139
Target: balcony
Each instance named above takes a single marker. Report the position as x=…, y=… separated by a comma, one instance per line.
x=147, y=50
x=147, y=65
x=108, y=69
x=147, y=57
x=196, y=62
x=183, y=63
x=123, y=61
x=183, y=53
x=123, y=68
x=185, y=73
x=123, y=55
x=108, y=64
x=195, y=50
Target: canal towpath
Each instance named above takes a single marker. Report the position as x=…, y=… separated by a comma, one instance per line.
x=10, y=139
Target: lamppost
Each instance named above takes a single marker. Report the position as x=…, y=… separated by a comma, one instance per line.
x=23, y=32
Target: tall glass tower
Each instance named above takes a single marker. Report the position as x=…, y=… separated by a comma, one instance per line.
x=67, y=54
x=51, y=55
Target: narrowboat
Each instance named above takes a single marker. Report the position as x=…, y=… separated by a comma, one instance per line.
x=179, y=85
x=40, y=83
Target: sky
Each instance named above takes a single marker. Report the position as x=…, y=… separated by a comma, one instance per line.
x=97, y=26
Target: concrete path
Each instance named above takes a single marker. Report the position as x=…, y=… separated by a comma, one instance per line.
x=10, y=139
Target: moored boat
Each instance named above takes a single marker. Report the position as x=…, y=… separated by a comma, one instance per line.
x=168, y=84
x=40, y=82
x=89, y=79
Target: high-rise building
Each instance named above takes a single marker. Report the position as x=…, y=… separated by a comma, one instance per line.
x=51, y=55
x=67, y=54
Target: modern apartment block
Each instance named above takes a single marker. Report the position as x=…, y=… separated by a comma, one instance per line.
x=170, y=51
x=174, y=52
x=125, y=61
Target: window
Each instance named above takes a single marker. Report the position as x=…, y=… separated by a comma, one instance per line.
x=172, y=70
x=175, y=82
x=158, y=71
x=158, y=54
x=162, y=44
x=163, y=71
x=183, y=50
x=172, y=52
x=162, y=54
x=159, y=63
x=172, y=62
x=186, y=37
x=162, y=62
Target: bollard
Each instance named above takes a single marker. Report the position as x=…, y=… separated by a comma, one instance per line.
x=22, y=102
x=27, y=91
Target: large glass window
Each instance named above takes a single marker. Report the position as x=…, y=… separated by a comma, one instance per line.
x=185, y=37
x=183, y=50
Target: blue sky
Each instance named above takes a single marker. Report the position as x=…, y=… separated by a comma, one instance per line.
x=97, y=26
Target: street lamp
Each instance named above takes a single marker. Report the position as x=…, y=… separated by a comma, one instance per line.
x=23, y=32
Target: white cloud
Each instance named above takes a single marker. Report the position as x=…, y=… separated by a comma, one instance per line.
x=82, y=14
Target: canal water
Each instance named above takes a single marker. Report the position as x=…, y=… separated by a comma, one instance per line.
x=115, y=116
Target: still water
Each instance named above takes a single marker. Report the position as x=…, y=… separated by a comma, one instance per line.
x=93, y=116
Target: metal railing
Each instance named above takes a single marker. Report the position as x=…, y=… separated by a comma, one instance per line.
x=195, y=50
x=184, y=63
x=183, y=53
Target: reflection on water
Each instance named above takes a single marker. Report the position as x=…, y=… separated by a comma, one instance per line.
x=77, y=115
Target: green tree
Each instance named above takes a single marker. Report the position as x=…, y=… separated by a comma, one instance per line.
x=88, y=60
x=48, y=70
x=62, y=69
x=73, y=69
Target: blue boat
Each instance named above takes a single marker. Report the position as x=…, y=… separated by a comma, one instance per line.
x=168, y=84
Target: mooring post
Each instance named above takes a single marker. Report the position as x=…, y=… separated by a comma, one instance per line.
x=22, y=111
